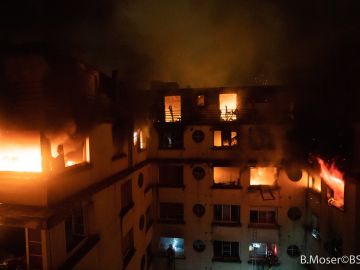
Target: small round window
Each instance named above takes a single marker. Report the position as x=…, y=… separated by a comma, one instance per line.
x=199, y=245
x=294, y=213
x=293, y=251
x=198, y=173
x=141, y=222
x=140, y=180
x=198, y=136
x=199, y=210
x=294, y=173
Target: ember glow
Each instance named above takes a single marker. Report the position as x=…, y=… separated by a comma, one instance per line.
x=263, y=175
x=334, y=179
x=20, y=152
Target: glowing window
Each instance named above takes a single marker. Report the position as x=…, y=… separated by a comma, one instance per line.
x=174, y=243
x=265, y=251
x=227, y=175
x=20, y=151
x=172, y=108
x=263, y=175
x=200, y=100
x=225, y=138
x=135, y=137
x=228, y=106
x=315, y=183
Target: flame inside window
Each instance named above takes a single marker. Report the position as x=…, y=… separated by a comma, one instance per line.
x=20, y=151
x=263, y=175
x=227, y=175
x=228, y=106
x=334, y=179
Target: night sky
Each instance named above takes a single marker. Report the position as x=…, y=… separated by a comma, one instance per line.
x=310, y=47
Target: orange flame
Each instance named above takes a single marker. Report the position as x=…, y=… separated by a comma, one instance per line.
x=334, y=179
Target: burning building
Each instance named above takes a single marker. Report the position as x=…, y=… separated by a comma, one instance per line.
x=94, y=176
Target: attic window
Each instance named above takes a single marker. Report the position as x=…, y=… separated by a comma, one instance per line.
x=228, y=106
x=172, y=108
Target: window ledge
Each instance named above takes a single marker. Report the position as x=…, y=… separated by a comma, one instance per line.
x=264, y=226
x=226, y=259
x=127, y=258
x=166, y=221
x=235, y=147
x=126, y=209
x=219, y=186
x=171, y=186
x=254, y=188
x=226, y=224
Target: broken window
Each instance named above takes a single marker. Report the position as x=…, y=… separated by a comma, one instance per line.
x=175, y=243
x=172, y=212
x=263, y=176
x=262, y=216
x=170, y=138
x=172, y=108
x=226, y=176
x=226, y=249
x=228, y=107
x=227, y=213
x=225, y=138
x=200, y=100
x=263, y=251
x=171, y=175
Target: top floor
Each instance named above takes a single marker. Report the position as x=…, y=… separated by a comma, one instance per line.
x=225, y=104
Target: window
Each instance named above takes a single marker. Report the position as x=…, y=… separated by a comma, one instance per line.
x=226, y=249
x=128, y=246
x=261, y=138
x=263, y=175
x=74, y=229
x=175, y=243
x=262, y=216
x=149, y=217
x=126, y=196
x=227, y=176
x=226, y=213
x=172, y=212
x=198, y=173
x=35, y=249
x=315, y=230
x=171, y=176
x=170, y=137
x=315, y=183
x=200, y=100
x=228, y=107
x=172, y=108
x=142, y=138
x=264, y=251
x=293, y=251
x=198, y=136
x=225, y=138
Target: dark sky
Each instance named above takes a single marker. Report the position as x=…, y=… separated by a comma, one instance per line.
x=197, y=43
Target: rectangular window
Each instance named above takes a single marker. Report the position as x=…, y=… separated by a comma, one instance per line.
x=200, y=100
x=227, y=176
x=172, y=108
x=166, y=244
x=172, y=212
x=149, y=217
x=228, y=107
x=263, y=176
x=225, y=138
x=74, y=229
x=263, y=217
x=126, y=195
x=226, y=213
x=171, y=176
x=171, y=137
x=35, y=249
x=226, y=249
x=262, y=251
x=128, y=246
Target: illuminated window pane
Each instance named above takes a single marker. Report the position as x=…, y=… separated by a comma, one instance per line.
x=228, y=105
x=227, y=175
x=142, y=139
x=263, y=175
x=217, y=138
x=200, y=100
x=172, y=108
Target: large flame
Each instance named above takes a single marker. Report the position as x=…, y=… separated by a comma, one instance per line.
x=334, y=179
x=20, y=152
